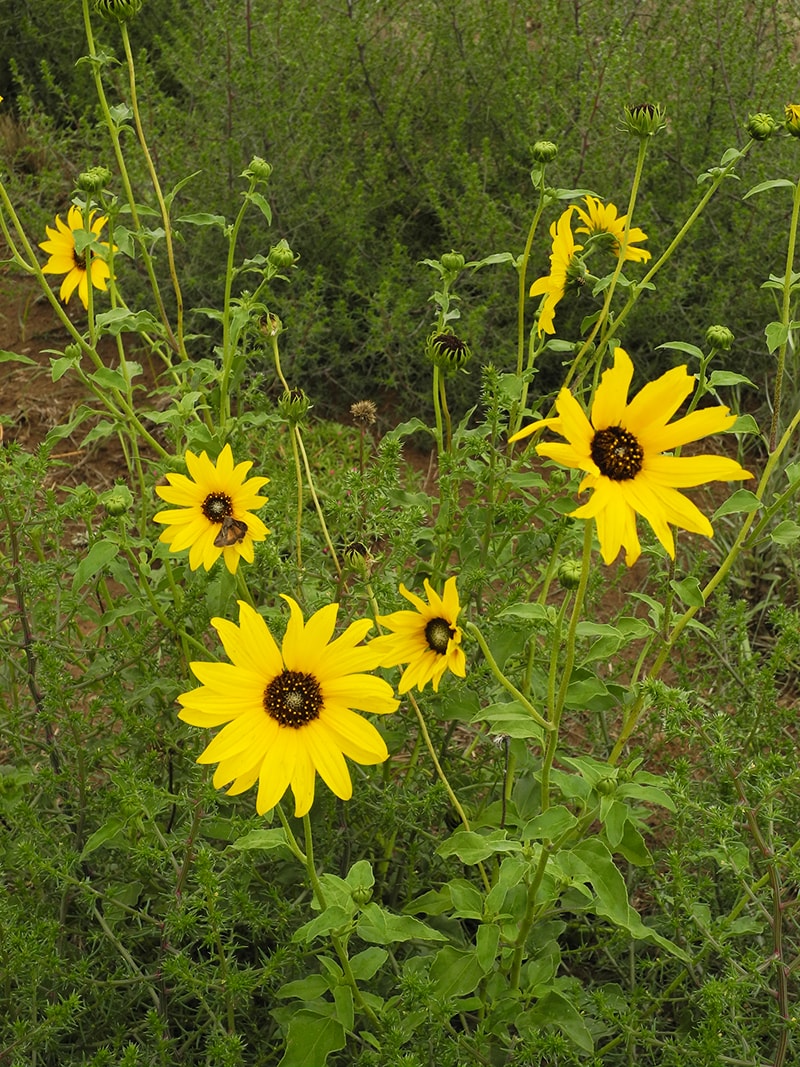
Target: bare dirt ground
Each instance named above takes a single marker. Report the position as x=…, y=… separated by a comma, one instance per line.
x=31, y=403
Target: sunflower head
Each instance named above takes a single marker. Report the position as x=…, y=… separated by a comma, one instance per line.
x=213, y=514
x=427, y=640
x=792, y=120
x=287, y=713
x=448, y=352
x=566, y=270
x=76, y=253
x=603, y=224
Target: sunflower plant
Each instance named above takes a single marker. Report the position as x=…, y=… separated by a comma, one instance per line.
x=390, y=766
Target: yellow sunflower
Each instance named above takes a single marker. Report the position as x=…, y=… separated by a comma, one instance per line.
x=289, y=710
x=213, y=517
x=603, y=219
x=562, y=267
x=427, y=639
x=66, y=259
x=621, y=448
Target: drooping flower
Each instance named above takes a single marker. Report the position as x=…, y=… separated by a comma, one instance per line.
x=621, y=447
x=599, y=218
x=66, y=259
x=427, y=639
x=213, y=516
x=289, y=711
x=563, y=265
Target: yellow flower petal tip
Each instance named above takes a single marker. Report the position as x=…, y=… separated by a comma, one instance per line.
x=288, y=713
x=427, y=640
x=563, y=265
x=601, y=219
x=67, y=260
x=213, y=511
x=623, y=448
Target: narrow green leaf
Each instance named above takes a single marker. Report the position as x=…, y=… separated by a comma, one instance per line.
x=14, y=357
x=773, y=183
x=99, y=555
x=683, y=346
x=265, y=840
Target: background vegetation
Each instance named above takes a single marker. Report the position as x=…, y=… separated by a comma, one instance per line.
x=401, y=130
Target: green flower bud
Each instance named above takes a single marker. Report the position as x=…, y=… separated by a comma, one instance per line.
x=452, y=261
x=117, y=500
x=761, y=126
x=293, y=406
x=281, y=256
x=361, y=894
x=73, y=351
x=544, y=151
x=643, y=120
x=605, y=787
x=448, y=352
x=258, y=169
x=121, y=10
x=271, y=325
x=94, y=180
x=792, y=122
x=569, y=573
x=557, y=479
x=85, y=497
x=719, y=337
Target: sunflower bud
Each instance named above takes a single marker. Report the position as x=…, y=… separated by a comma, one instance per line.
x=94, y=180
x=569, y=573
x=281, y=256
x=448, y=352
x=117, y=501
x=544, y=151
x=453, y=261
x=258, y=169
x=293, y=406
x=643, y=120
x=361, y=894
x=364, y=413
x=719, y=337
x=792, y=121
x=271, y=325
x=761, y=126
x=121, y=10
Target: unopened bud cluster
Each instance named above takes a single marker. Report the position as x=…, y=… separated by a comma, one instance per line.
x=258, y=169
x=719, y=337
x=121, y=10
x=94, y=180
x=761, y=126
x=544, y=151
x=644, y=120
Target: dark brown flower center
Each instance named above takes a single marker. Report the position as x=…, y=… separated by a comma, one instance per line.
x=293, y=698
x=217, y=506
x=438, y=633
x=617, y=453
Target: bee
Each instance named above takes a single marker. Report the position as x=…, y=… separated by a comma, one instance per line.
x=231, y=532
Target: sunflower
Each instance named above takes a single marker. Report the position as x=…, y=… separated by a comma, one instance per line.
x=289, y=710
x=427, y=639
x=563, y=267
x=621, y=449
x=66, y=259
x=213, y=517
x=603, y=219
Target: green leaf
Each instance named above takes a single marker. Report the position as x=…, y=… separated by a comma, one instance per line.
x=510, y=719
x=690, y=591
x=107, y=832
x=119, y=320
x=265, y=840
x=332, y=918
x=13, y=357
x=777, y=335
x=742, y=500
x=99, y=555
x=261, y=203
x=343, y=999
x=467, y=900
x=471, y=847
x=773, y=183
x=311, y=1039
x=487, y=942
x=203, y=218
x=539, y=612
x=728, y=377
x=366, y=964
x=59, y=367
x=455, y=972
x=683, y=346
x=550, y=825
x=786, y=532
x=555, y=1010
x=305, y=988
x=109, y=378
x=382, y=928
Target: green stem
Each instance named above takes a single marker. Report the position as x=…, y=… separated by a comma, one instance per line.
x=473, y=630
x=317, y=505
x=229, y=350
x=785, y=319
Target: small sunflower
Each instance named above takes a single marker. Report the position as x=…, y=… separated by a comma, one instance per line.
x=427, y=639
x=621, y=448
x=66, y=259
x=213, y=517
x=289, y=711
x=563, y=269
x=603, y=219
